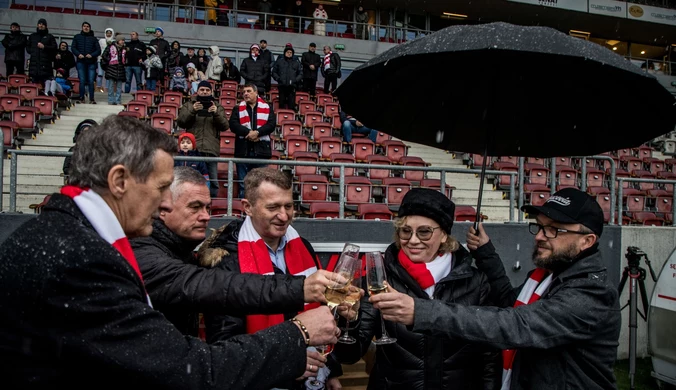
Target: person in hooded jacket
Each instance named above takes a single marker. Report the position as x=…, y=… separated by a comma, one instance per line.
x=425, y=262
x=175, y=57
x=230, y=71
x=42, y=48
x=153, y=68
x=288, y=72
x=162, y=48
x=362, y=17
x=114, y=60
x=15, y=50
x=178, y=81
x=107, y=40
x=202, y=60
x=81, y=127
x=215, y=66
x=254, y=70
x=87, y=50
x=64, y=59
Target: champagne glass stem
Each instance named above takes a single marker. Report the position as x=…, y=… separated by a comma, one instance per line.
x=382, y=325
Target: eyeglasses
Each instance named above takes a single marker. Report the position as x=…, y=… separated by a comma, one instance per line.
x=549, y=231
x=424, y=233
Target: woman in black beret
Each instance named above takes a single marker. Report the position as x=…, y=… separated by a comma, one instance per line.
x=426, y=262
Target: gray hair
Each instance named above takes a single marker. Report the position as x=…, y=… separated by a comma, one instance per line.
x=183, y=175
x=116, y=141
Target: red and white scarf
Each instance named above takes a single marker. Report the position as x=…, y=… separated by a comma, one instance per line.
x=327, y=61
x=531, y=292
x=104, y=221
x=427, y=274
x=262, y=114
x=254, y=257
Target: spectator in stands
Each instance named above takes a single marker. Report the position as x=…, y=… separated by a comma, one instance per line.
x=60, y=84
x=268, y=59
x=194, y=77
x=287, y=72
x=136, y=54
x=188, y=58
x=320, y=17
x=263, y=243
x=175, y=58
x=162, y=49
x=351, y=125
x=181, y=289
x=153, y=67
x=64, y=59
x=205, y=118
x=42, y=48
x=311, y=63
x=178, y=82
x=426, y=262
x=299, y=11
x=215, y=66
x=264, y=7
x=15, y=50
x=252, y=121
x=212, y=17
x=87, y=50
x=107, y=40
x=230, y=71
x=202, y=60
x=331, y=70
x=81, y=127
x=187, y=146
x=79, y=297
x=113, y=62
x=362, y=17
x=254, y=70
x=562, y=324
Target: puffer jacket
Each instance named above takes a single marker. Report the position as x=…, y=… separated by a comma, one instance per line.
x=419, y=361
x=67, y=60
x=287, y=71
x=86, y=43
x=41, y=59
x=565, y=340
x=175, y=58
x=223, y=327
x=206, y=129
x=181, y=289
x=15, y=43
x=113, y=61
x=215, y=66
x=254, y=71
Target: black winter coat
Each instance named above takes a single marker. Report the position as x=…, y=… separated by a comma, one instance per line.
x=255, y=72
x=163, y=49
x=418, y=361
x=15, y=46
x=244, y=147
x=230, y=73
x=136, y=50
x=74, y=313
x=565, y=340
x=287, y=71
x=180, y=289
x=67, y=61
x=86, y=43
x=114, y=72
x=310, y=58
x=221, y=327
x=334, y=66
x=41, y=59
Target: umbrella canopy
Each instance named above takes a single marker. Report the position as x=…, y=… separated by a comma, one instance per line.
x=508, y=90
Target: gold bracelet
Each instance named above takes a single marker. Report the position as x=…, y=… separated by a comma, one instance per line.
x=306, y=334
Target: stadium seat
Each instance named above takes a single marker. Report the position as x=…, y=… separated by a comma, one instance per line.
x=321, y=130
x=173, y=97
x=566, y=177
x=362, y=148
x=377, y=211
x=382, y=137
x=331, y=109
x=311, y=118
x=9, y=134
x=296, y=143
x=357, y=190
x=228, y=103
x=376, y=175
x=465, y=213
x=394, y=150
x=413, y=161
x=537, y=194
x=4, y=88
x=291, y=129
x=341, y=158
x=168, y=109
x=145, y=96
x=328, y=146
x=324, y=210
x=305, y=107
x=394, y=190
x=140, y=107
x=595, y=177
x=164, y=122
x=300, y=170
x=435, y=184
x=15, y=80
x=10, y=102
x=26, y=118
x=47, y=107
x=37, y=208
x=284, y=115
x=313, y=188
x=647, y=219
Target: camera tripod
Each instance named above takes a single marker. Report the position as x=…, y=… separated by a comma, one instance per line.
x=636, y=274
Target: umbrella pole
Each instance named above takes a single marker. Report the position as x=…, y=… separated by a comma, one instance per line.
x=481, y=189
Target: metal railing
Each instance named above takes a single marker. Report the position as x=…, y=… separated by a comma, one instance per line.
x=230, y=180
x=621, y=180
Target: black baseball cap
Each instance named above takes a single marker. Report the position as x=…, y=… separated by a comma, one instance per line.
x=571, y=205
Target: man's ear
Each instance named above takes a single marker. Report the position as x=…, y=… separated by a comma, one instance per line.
x=247, y=206
x=118, y=180
x=588, y=241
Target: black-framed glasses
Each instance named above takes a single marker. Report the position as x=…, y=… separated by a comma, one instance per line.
x=423, y=233
x=549, y=231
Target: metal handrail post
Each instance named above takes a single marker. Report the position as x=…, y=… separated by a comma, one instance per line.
x=341, y=193
x=522, y=160
x=583, y=172
x=2, y=167
x=612, y=194
x=442, y=181
x=231, y=181
x=619, y=201
x=12, y=182
x=512, y=181
x=552, y=175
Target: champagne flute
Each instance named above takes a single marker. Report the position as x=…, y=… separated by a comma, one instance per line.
x=352, y=299
x=377, y=283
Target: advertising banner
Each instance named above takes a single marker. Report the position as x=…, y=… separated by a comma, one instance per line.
x=647, y=13
x=614, y=8
x=573, y=5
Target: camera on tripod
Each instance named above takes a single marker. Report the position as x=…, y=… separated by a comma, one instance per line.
x=634, y=255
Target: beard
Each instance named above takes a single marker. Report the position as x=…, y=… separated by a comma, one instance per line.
x=559, y=259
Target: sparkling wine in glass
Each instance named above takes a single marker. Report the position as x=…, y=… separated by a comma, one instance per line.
x=352, y=299
x=377, y=284
x=337, y=293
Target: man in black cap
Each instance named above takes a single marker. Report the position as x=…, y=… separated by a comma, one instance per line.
x=311, y=64
x=15, y=50
x=557, y=330
x=42, y=49
x=268, y=59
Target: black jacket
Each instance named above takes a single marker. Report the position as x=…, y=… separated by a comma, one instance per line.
x=41, y=59
x=116, y=71
x=310, y=58
x=268, y=59
x=136, y=50
x=287, y=71
x=185, y=60
x=255, y=72
x=334, y=66
x=180, y=289
x=243, y=147
x=418, y=361
x=163, y=49
x=223, y=327
x=74, y=313
x=230, y=73
x=15, y=46
x=86, y=43
x=67, y=61
x=565, y=340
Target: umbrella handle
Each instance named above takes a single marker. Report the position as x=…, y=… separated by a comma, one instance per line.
x=482, y=177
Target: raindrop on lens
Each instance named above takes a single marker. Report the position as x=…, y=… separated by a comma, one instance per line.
x=440, y=136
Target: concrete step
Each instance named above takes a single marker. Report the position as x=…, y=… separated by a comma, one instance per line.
x=23, y=201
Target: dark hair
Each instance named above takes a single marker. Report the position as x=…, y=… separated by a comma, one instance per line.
x=117, y=140
x=84, y=125
x=263, y=41
x=252, y=86
x=258, y=176
x=15, y=24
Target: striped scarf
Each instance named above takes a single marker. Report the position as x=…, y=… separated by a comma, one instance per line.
x=262, y=114
x=427, y=274
x=531, y=292
x=254, y=257
x=99, y=214
x=327, y=61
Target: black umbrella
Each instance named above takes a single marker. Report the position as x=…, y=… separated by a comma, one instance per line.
x=503, y=90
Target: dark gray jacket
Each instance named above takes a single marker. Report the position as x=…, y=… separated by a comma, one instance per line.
x=565, y=340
